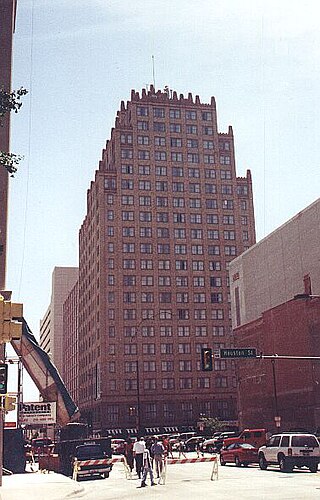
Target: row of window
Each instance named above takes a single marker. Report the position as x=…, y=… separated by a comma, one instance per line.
x=175, y=142
x=163, y=186
x=163, y=201
x=149, y=264
x=164, y=249
x=209, y=173
x=144, y=154
x=178, y=217
x=169, y=348
x=198, y=281
x=166, y=298
x=181, y=314
x=165, y=366
x=176, y=128
x=181, y=233
x=164, y=232
x=169, y=383
x=166, y=330
x=160, y=112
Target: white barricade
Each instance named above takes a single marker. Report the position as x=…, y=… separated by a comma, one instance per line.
x=213, y=458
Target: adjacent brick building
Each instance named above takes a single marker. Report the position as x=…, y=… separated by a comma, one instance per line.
x=166, y=214
x=275, y=288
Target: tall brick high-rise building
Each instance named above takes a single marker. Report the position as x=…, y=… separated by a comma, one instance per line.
x=165, y=215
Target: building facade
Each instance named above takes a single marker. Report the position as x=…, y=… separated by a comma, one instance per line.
x=51, y=325
x=275, y=288
x=71, y=342
x=166, y=214
x=7, y=23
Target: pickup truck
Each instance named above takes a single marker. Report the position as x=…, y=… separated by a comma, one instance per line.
x=90, y=460
x=256, y=437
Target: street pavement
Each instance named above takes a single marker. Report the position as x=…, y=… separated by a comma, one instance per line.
x=182, y=481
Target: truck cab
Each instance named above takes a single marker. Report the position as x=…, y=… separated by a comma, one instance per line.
x=90, y=460
x=256, y=437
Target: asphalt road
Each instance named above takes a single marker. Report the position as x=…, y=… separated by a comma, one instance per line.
x=193, y=481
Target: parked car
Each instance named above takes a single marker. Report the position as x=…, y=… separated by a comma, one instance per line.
x=191, y=443
x=239, y=454
x=214, y=444
x=289, y=450
x=186, y=435
x=118, y=446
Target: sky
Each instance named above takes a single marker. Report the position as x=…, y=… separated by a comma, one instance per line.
x=80, y=58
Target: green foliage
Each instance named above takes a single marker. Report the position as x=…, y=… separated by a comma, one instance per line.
x=213, y=424
x=11, y=101
x=10, y=162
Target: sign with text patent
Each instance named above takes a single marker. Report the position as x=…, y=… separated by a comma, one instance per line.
x=241, y=352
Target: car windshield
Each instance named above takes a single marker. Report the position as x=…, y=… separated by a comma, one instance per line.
x=89, y=452
x=309, y=441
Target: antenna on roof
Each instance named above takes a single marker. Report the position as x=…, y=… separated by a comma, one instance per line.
x=153, y=75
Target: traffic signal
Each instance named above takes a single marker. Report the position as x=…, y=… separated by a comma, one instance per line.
x=206, y=359
x=10, y=403
x=10, y=328
x=3, y=378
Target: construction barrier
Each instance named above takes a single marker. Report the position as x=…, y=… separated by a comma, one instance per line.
x=214, y=459
x=97, y=466
x=127, y=470
x=166, y=461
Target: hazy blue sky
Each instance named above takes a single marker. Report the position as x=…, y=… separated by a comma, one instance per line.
x=80, y=58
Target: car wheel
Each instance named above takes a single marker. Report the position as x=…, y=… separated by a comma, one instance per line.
x=263, y=464
x=222, y=461
x=105, y=475
x=283, y=464
x=313, y=468
x=237, y=461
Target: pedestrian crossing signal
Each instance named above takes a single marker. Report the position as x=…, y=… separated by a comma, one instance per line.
x=206, y=359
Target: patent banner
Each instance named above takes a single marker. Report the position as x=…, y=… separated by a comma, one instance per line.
x=38, y=413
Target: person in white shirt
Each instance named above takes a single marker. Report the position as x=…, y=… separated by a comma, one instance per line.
x=138, y=449
x=147, y=468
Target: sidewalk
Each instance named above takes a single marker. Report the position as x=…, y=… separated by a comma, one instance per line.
x=39, y=486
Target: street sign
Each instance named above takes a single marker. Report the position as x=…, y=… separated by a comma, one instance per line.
x=242, y=352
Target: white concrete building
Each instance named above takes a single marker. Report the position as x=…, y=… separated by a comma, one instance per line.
x=273, y=271
x=51, y=325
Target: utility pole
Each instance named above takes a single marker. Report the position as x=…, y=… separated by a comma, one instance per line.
x=7, y=21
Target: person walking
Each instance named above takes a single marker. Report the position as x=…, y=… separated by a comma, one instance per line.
x=181, y=449
x=128, y=453
x=139, y=448
x=158, y=451
x=199, y=449
x=147, y=469
x=167, y=447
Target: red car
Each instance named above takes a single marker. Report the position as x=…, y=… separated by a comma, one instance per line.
x=239, y=454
